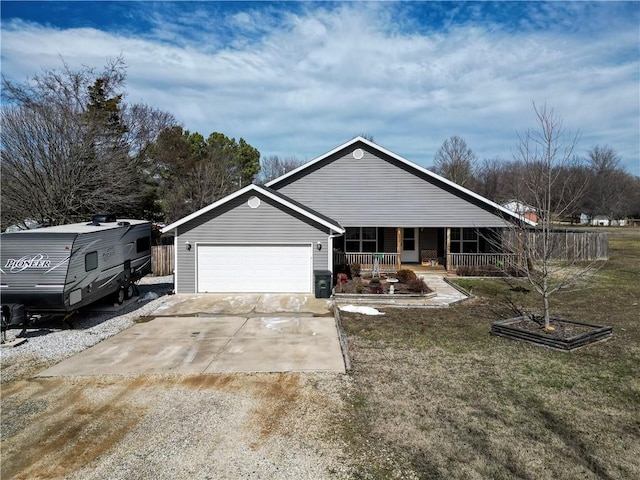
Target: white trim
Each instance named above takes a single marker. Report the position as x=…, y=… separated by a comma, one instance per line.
x=329, y=254
x=242, y=191
x=175, y=261
x=409, y=164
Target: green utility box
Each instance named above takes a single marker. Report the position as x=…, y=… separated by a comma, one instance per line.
x=323, y=280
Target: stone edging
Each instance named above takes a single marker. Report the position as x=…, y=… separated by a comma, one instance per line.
x=599, y=333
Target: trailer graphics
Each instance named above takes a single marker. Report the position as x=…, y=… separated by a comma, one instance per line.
x=58, y=270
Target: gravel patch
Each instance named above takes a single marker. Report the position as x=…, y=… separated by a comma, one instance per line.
x=50, y=342
x=249, y=426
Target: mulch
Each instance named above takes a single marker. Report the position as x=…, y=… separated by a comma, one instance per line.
x=563, y=330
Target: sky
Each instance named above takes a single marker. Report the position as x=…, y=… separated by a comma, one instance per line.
x=297, y=79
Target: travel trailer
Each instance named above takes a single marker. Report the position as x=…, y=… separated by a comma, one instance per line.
x=58, y=270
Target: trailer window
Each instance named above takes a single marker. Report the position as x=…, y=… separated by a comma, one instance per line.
x=143, y=244
x=90, y=261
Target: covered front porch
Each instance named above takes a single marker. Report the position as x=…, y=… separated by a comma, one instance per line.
x=436, y=248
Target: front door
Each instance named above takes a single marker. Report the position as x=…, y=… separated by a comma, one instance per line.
x=410, y=251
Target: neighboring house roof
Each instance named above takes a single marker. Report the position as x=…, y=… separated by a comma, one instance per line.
x=273, y=195
x=518, y=206
x=406, y=164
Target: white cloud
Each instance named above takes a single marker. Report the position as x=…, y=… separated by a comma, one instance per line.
x=301, y=82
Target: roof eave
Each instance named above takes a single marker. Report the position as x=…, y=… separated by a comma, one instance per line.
x=334, y=227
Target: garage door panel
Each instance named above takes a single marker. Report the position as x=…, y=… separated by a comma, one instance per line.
x=254, y=268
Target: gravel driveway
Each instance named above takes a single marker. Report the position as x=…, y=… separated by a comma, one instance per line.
x=252, y=426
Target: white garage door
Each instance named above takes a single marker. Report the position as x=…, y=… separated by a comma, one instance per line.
x=254, y=268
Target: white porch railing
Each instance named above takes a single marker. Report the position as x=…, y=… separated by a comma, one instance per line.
x=388, y=262
x=501, y=260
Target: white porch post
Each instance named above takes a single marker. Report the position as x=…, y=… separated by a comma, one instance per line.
x=399, y=246
x=330, y=253
x=448, y=251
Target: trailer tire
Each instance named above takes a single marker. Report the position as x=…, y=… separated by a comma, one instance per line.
x=120, y=296
x=129, y=291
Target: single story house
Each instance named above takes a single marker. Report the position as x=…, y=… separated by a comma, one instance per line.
x=358, y=203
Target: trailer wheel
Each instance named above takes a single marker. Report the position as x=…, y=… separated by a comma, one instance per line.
x=129, y=291
x=120, y=295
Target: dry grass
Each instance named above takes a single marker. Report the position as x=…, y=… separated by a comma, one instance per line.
x=436, y=396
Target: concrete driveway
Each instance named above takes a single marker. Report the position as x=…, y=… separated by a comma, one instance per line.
x=219, y=334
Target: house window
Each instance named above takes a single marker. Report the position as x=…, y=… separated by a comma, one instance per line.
x=409, y=239
x=361, y=239
x=465, y=240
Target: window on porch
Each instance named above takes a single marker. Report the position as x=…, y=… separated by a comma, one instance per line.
x=465, y=240
x=361, y=239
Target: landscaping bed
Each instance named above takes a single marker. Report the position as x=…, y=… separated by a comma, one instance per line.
x=563, y=335
x=404, y=282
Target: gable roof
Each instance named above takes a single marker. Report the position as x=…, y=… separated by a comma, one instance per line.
x=300, y=171
x=273, y=195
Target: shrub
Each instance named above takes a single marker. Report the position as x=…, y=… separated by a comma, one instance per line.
x=406, y=275
x=377, y=288
x=375, y=281
x=359, y=286
x=355, y=269
x=417, y=285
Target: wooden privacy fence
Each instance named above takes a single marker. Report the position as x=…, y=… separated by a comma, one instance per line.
x=567, y=245
x=162, y=260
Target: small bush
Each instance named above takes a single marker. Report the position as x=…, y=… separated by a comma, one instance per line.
x=355, y=269
x=359, y=286
x=417, y=285
x=375, y=281
x=377, y=288
x=406, y=275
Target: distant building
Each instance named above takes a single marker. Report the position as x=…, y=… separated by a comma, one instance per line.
x=527, y=211
x=602, y=221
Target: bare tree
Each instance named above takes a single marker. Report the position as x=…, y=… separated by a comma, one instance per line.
x=272, y=167
x=366, y=136
x=68, y=147
x=546, y=154
x=455, y=161
x=609, y=191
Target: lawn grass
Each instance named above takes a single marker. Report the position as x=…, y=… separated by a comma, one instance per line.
x=435, y=396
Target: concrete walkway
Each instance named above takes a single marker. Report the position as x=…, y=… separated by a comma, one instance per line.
x=446, y=295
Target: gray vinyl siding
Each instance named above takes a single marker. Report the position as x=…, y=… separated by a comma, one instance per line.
x=381, y=191
x=235, y=222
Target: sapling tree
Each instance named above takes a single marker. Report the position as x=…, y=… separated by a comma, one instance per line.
x=546, y=154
